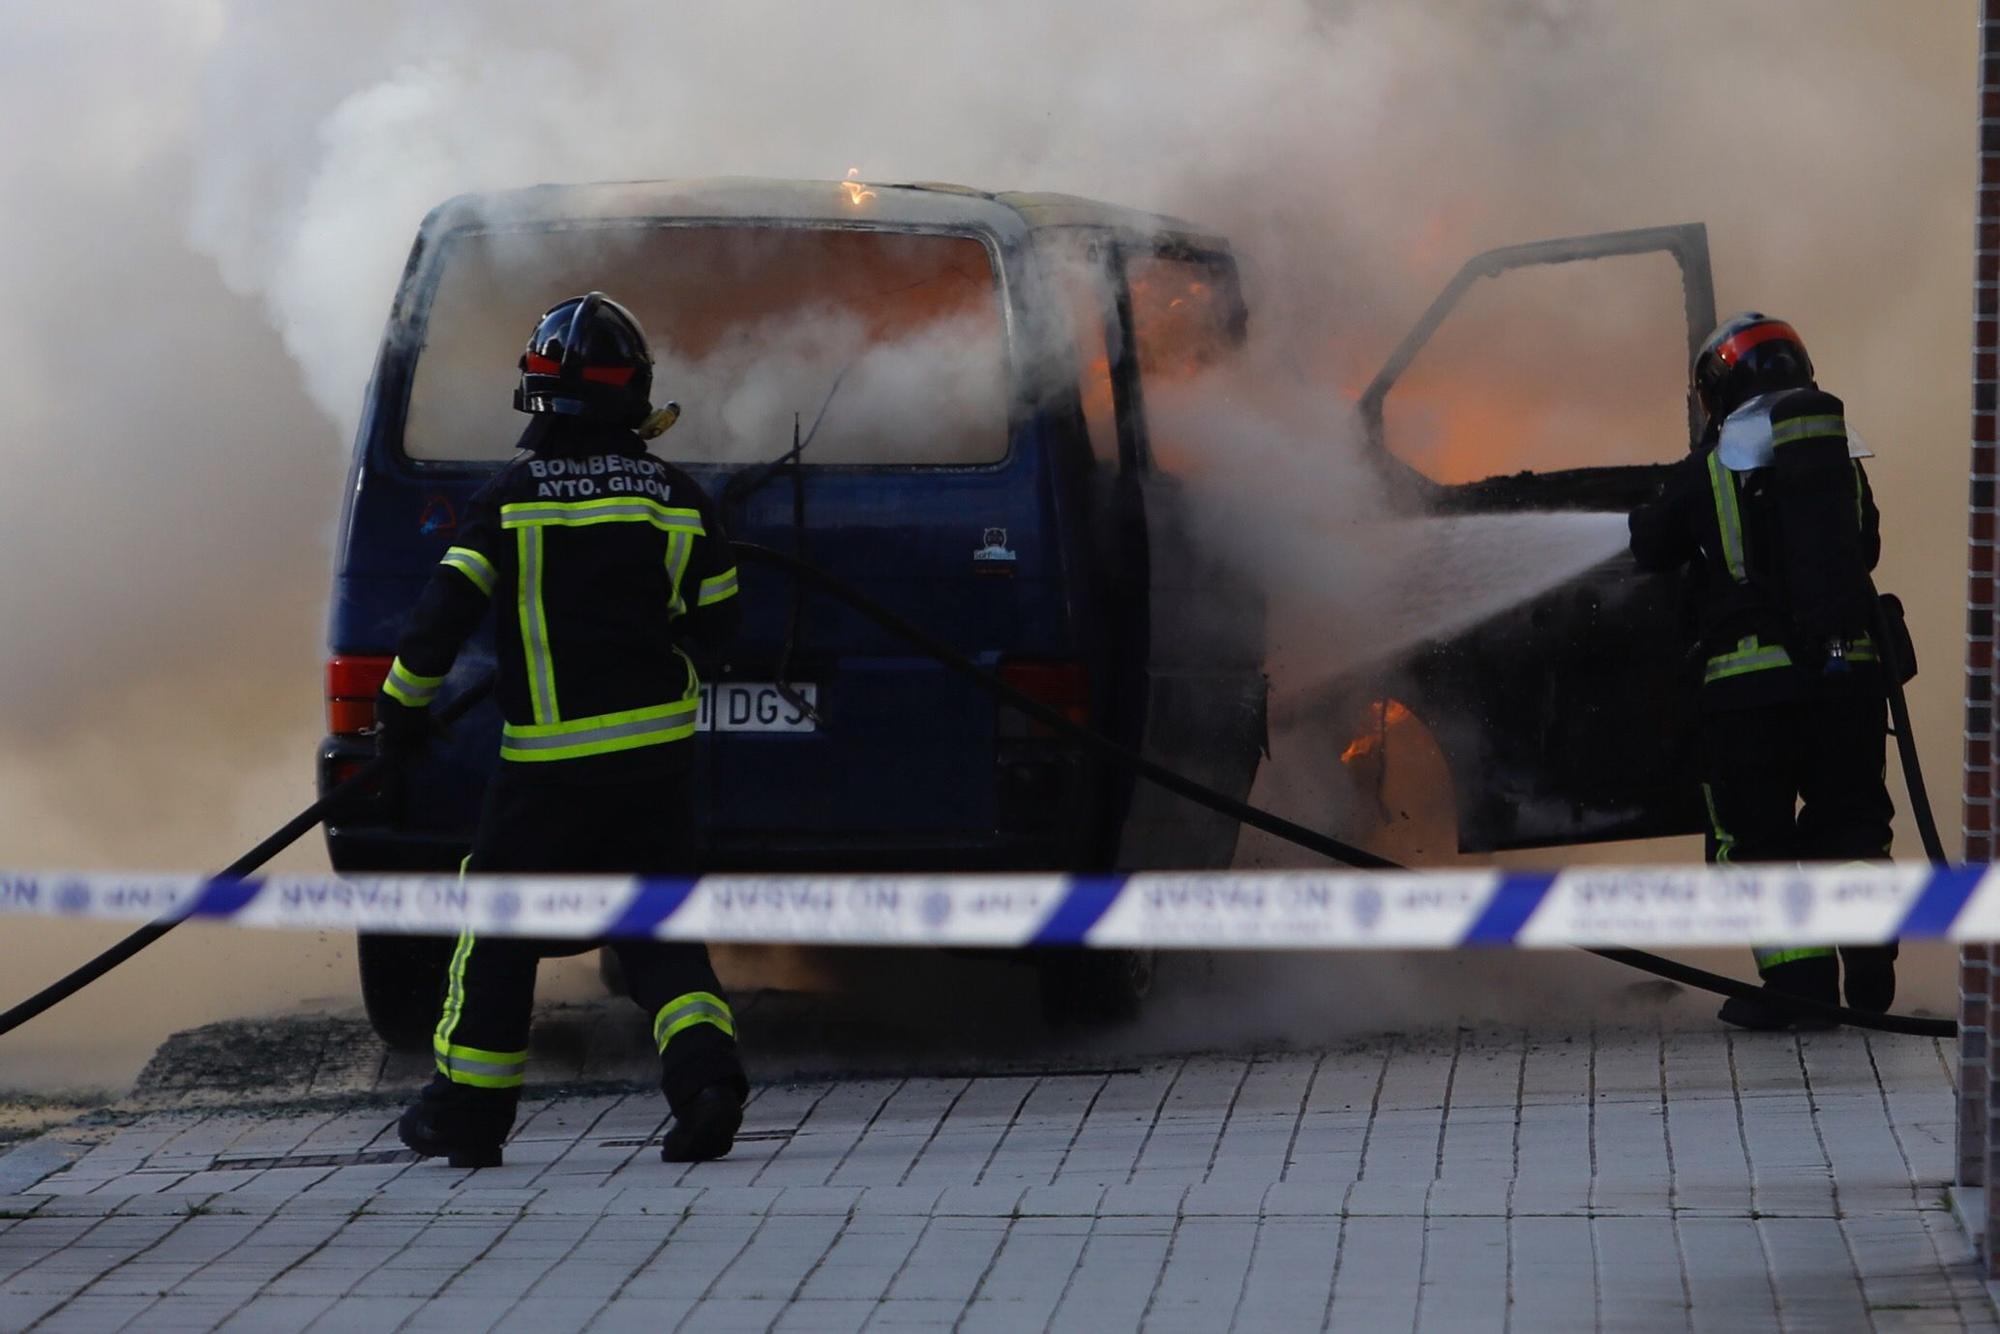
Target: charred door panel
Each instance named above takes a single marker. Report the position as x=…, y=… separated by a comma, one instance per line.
x=1567, y=719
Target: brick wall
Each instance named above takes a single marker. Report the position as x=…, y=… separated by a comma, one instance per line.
x=1979, y=979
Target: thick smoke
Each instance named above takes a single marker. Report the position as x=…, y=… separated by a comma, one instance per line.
x=210, y=201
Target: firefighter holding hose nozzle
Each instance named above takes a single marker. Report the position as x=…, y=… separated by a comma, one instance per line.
x=609, y=576
x=1774, y=520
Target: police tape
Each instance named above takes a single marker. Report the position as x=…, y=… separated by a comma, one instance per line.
x=1299, y=910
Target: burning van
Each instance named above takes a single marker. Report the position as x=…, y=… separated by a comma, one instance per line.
x=939, y=396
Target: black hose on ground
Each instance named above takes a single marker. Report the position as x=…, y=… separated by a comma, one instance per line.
x=1311, y=839
x=291, y=832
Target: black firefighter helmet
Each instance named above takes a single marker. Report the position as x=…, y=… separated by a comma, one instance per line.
x=587, y=358
x=1749, y=354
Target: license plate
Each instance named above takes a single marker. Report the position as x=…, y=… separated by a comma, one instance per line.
x=750, y=706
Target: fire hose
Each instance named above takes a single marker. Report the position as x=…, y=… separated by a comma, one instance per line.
x=289, y=833
x=1109, y=750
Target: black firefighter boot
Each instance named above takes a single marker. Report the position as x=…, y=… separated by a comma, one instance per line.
x=702, y=1077
x=460, y=1123
x=1816, y=979
x=704, y=1126
x=1870, y=976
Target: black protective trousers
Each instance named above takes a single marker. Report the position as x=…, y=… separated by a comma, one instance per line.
x=1800, y=781
x=640, y=824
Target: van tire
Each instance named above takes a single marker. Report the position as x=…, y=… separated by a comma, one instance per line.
x=402, y=984
x=1088, y=988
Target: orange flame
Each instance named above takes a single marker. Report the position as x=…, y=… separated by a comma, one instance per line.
x=857, y=193
x=1383, y=714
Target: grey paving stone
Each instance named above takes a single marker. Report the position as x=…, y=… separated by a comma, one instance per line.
x=749, y=1201
x=365, y=1315
x=904, y=1200
x=264, y=1314
x=586, y=1201
x=1633, y=1180
x=1069, y=1199
x=979, y=1201
x=817, y=1315
x=834, y=1200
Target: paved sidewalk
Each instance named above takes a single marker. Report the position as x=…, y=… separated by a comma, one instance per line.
x=1627, y=1180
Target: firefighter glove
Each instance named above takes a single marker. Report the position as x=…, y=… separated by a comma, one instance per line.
x=400, y=731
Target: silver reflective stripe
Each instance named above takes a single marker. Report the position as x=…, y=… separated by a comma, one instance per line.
x=535, y=629
x=465, y=1065
x=679, y=546
x=413, y=690
x=473, y=566
x=1808, y=428
x=721, y=586
x=521, y=516
x=586, y=735
x=1728, y=518
x=694, y=1010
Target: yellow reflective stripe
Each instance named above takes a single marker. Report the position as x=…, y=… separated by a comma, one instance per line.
x=617, y=509
x=1750, y=656
x=1769, y=959
x=454, y=990
x=1728, y=518
x=684, y=1012
x=406, y=687
x=1725, y=842
x=479, y=1067
x=602, y=734
x=680, y=546
x=473, y=566
x=718, y=587
x=1860, y=508
x=1808, y=428
x=535, y=628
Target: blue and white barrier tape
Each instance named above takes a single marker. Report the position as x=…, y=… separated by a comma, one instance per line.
x=1310, y=910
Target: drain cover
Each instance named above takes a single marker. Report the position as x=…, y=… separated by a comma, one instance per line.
x=361, y=1158
x=743, y=1137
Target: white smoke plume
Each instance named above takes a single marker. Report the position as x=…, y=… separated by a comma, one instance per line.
x=209, y=202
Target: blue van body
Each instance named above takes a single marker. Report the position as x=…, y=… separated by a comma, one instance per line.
x=1072, y=560
x=1036, y=558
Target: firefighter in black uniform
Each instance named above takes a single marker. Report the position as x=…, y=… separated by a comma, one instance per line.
x=1774, y=517
x=609, y=576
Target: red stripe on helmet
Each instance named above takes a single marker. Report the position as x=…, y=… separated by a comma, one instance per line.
x=536, y=364
x=1732, y=348
x=618, y=375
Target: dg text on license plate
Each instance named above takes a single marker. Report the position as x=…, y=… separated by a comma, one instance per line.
x=749, y=706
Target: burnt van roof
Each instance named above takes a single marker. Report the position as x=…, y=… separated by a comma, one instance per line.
x=918, y=204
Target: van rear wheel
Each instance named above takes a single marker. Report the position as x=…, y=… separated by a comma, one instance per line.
x=402, y=984
x=1081, y=987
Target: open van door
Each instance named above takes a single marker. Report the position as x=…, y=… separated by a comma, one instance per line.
x=1569, y=718
x=1194, y=671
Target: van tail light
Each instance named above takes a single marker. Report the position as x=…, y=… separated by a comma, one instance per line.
x=1062, y=686
x=351, y=686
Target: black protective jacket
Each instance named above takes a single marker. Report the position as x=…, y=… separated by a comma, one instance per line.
x=1735, y=534
x=609, y=576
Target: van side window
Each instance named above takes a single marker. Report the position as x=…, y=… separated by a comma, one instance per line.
x=1187, y=318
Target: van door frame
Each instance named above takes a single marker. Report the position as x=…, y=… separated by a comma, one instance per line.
x=1687, y=242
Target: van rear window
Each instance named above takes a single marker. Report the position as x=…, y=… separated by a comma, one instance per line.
x=749, y=324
